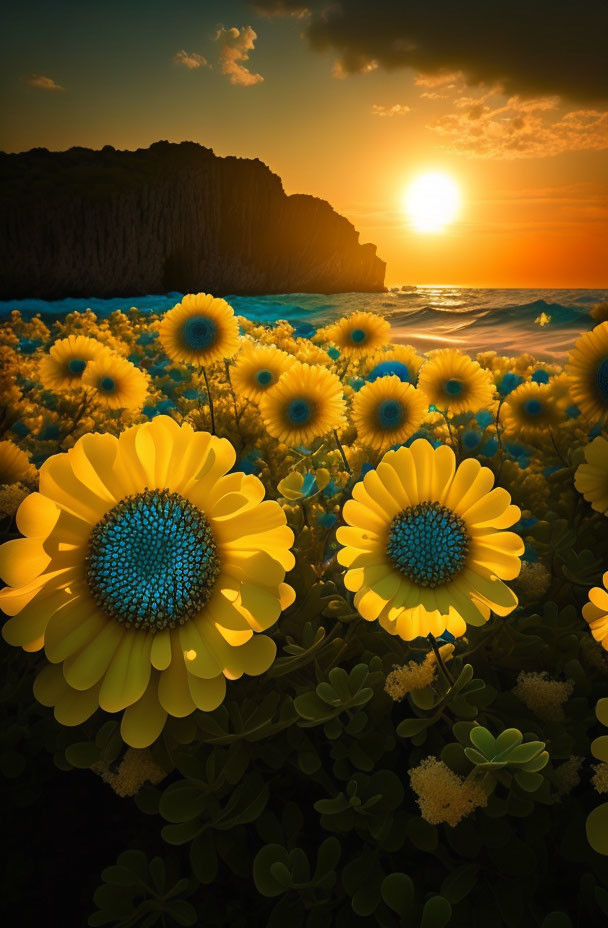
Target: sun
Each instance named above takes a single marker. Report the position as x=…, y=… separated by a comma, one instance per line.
x=432, y=202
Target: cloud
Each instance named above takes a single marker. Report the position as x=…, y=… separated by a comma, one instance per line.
x=530, y=49
x=190, y=60
x=490, y=126
x=43, y=83
x=270, y=8
x=235, y=45
x=397, y=109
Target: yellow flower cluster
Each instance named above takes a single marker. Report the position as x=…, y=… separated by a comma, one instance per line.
x=567, y=776
x=600, y=778
x=542, y=695
x=136, y=768
x=415, y=676
x=443, y=796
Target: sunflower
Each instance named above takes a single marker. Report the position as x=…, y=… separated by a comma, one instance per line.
x=118, y=384
x=359, y=333
x=588, y=371
x=146, y=570
x=67, y=360
x=15, y=465
x=306, y=403
x=591, y=479
x=595, y=612
x=425, y=545
x=200, y=330
x=454, y=383
x=387, y=412
x=257, y=369
x=401, y=360
x=530, y=411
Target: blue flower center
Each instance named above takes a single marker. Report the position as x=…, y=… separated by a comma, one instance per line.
x=428, y=543
x=76, y=366
x=152, y=561
x=107, y=384
x=601, y=379
x=454, y=387
x=199, y=333
x=388, y=368
x=358, y=336
x=264, y=378
x=390, y=414
x=299, y=411
x=533, y=407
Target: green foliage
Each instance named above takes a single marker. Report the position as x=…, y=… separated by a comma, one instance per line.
x=139, y=892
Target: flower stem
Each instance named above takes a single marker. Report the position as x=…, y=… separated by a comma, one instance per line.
x=341, y=450
x=209, y=400
x=439, y=659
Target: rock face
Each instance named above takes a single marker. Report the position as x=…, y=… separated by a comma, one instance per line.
x=170, y=217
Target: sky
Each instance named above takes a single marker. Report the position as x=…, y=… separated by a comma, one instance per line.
x=352, y=103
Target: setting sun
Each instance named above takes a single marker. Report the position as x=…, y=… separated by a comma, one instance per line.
x=432, y=202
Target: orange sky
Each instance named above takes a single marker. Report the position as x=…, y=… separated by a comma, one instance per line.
x=533, y=171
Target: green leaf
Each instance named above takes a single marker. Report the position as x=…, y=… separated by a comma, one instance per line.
x=484, y=741
x=508, y=739
x=83, y=754
x=556, y=920
x=530, y=782
x=397, y=891
x=183, y=912
x=183, y=801
x=458, y=884
x=437, y=913
x=525, y=752
x=327, y=857
x=264, y=880
x=407, y=728
x=310, y=707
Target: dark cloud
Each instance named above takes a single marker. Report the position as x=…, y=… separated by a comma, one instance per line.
x=529, y=47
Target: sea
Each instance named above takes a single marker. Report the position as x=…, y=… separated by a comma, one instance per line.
x=544, y=322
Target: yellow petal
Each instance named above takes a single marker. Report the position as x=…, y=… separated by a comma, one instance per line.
x=160, y=652
x=143, y=721
x=22, y=560
x=173, y=691
x=50, y=685
x=36, y=516
x=72, y=627
x=207, y=694
x=75, y=707
x=87, y=667
x=126, y=679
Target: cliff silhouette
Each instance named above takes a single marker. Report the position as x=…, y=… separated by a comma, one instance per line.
x=169, y=217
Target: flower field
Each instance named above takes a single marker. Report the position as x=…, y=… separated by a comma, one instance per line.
x=328, y=616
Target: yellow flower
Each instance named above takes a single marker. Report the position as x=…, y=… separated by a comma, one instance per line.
x=401, y=360
x=414, y=676
x=200, y=330
x=588, y=371
x=530, y=411
x=591, y=479
x=595, y=612
x=443, y=796
x=543, y=695
x=359, y=333
x=455, y=383
x=257, y=369
x=297, y=486
x=67, y=360
x=306, y=403
x=118, y=384
x=146, y=570
x=15, y=465
x=387, y=412
x=425, y=545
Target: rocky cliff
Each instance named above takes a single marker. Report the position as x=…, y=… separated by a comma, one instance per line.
x=170, y=217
